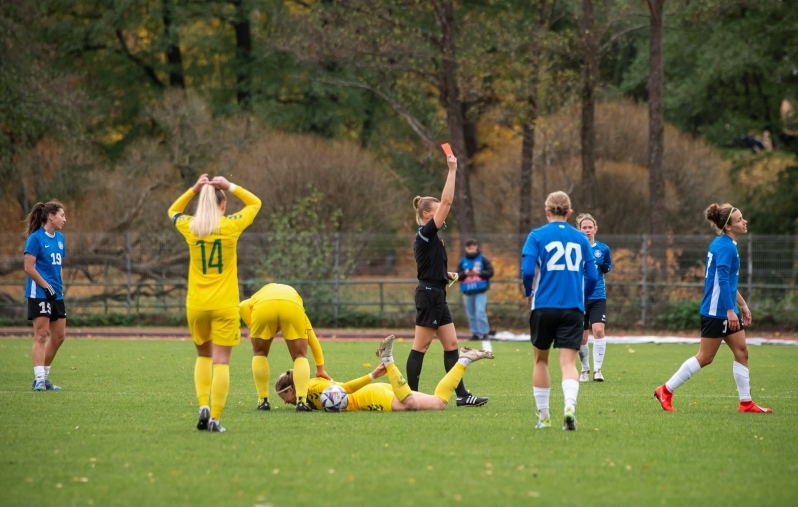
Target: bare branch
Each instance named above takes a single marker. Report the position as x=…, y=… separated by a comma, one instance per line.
x=418, y=127
x=148, y=69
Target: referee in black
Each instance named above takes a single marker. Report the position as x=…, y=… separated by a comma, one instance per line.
x=432, y=312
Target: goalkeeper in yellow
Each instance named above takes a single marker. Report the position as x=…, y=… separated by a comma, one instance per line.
x=278, y=307
x=393, y=397
x=212, y=296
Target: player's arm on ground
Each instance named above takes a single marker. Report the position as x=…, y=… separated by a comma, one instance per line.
x=318, y=355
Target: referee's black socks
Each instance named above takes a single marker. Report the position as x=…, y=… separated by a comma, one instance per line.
x=414, y=363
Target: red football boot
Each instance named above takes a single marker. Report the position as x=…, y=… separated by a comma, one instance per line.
x=664, y=397
x=750, y=406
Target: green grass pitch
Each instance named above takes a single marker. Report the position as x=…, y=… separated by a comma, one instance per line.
x=122, y=433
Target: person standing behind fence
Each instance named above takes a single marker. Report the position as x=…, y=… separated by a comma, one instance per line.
x=278, y=307
x=595, y=303
x=212, y=296
x=432, y=312
x=474, y=272
x=45, y=251
x=720, y=320
x=566, y=272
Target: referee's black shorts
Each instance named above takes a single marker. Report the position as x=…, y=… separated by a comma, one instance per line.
x=431, y=308
x=557, y=326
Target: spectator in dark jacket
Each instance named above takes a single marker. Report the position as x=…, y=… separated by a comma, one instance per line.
x=475, y=271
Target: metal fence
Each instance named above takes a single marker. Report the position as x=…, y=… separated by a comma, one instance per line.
x=368, y=279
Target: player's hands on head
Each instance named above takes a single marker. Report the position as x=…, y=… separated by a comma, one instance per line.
x=451, y=160
x=202, y=181
x=220, y=182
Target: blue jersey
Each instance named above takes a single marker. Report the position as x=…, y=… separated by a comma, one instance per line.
x=562, y=256
x=49, y=252
x=601, y=255
x=720, y=280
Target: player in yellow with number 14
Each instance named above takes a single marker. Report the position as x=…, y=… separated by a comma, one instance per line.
x=212, y=296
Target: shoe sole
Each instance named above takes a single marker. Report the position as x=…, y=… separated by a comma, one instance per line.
x=381, y=349
x=569, y=424
x=202, y=423
x=473, y=404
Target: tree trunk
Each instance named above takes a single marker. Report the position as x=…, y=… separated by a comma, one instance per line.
x=451, y=100
x=243, y=55
x=530, y=122
x=656, y=137
x=173, y=56
x=588, y=95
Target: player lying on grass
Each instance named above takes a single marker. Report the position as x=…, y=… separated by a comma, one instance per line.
x=394, y=397
x=277, y=307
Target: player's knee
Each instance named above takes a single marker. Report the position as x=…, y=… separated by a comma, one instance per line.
x=704, y=360
x=598, y=334
x=410, y=403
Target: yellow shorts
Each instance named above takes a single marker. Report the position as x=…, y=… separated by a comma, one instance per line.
x=275, y=315
x=372, y=398
x=222, y=326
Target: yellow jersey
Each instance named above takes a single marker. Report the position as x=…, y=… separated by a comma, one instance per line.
x=213, y=265
x=317, y=385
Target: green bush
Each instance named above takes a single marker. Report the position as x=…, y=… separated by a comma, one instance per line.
x=680, y=315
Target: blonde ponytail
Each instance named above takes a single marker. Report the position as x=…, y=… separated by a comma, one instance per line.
x=209, y=211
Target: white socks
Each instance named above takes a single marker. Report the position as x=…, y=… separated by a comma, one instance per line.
x=542, y=401
x=464, y=361
x=387, y=360
x=740, y=373
x=584, y=356
x=570, y=390
x=40, y=372
x=599, y=346
x=683, y=374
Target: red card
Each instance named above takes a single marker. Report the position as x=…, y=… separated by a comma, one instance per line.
x=447, y=149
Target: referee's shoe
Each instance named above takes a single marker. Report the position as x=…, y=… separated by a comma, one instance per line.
x=470, y=400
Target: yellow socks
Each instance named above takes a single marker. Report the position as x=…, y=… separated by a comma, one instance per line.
x=301, y=378
x=219, y=389
x=203, y=372
x=260, y=371
x=448, y=384
x=398, y=382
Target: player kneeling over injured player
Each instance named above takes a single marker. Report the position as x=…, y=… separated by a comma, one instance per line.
x=277, y=307
x=394, y=397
